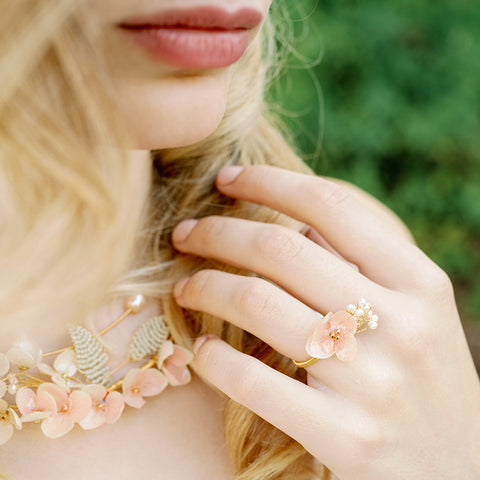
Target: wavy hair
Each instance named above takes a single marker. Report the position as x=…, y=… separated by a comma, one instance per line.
x=73, y=200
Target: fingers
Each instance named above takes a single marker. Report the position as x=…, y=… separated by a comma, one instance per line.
x=252, y=304
x=351, y=228
x=305, y=414
x=276, y=317
x=307, y=271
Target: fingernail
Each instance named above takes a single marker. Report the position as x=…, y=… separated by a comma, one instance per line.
x=179, y=286
x=228, y=175
x=182, y=230
x=201, y=340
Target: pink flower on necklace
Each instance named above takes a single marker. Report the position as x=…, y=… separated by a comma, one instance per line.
x=172, y=361
x=71, y=408
x=35, y=406
x=106, y=407
x=140, y=383
x=335, y=334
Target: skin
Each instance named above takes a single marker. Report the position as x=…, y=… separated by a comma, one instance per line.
x=410, y=395
x=164, y=106
x=412, y=392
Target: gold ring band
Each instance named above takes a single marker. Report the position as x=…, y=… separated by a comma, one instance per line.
x=306, y=363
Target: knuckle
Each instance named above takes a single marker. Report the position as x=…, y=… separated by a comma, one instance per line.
x=324, y=192
x=431, y=279
x=209, y=228
x=249, y=382
x=416, y=337
x=258, y=300
x=279, y=243
x=386, y=386
x=197, y=284
x=440, y=284
x=366, y=438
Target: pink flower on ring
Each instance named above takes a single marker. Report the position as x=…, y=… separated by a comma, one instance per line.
x=140, y=383
x=106, y=407
x=172, y=361
x=334, y=334
x=71, y=408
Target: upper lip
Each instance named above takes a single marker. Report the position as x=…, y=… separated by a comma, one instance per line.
x=201, y=18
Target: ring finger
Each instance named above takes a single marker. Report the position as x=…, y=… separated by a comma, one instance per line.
x=276, y=317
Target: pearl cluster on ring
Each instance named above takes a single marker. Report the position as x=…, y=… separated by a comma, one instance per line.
x=362, y=312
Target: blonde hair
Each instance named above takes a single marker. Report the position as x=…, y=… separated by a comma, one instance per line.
x=74, y=212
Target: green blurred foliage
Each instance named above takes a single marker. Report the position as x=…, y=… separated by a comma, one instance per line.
x=386, y=95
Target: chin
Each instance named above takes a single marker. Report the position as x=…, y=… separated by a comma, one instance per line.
x=174, y=112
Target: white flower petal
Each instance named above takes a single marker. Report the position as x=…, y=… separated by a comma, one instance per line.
x=65, y=363
x=3, y=388
x=46, y=369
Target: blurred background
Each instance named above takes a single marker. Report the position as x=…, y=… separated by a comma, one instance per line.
x=386, y=95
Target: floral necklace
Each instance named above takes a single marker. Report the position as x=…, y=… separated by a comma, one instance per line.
x=77, y=388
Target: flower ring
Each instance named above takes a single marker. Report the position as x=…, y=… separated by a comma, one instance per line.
x=335, y=334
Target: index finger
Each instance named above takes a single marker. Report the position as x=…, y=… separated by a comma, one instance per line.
x=349, y=226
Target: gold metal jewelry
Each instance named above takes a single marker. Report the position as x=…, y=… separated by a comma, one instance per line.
x=306, y=363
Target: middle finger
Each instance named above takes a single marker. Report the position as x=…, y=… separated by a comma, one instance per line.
x=303, y=268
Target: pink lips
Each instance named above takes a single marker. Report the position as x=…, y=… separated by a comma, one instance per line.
x=201, y=37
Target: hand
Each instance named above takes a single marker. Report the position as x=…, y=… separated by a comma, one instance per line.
x=408, y=405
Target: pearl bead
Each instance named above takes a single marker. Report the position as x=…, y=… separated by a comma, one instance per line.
x=12, y=389
x=373, y=325
x=136, y=302
x=351, y=309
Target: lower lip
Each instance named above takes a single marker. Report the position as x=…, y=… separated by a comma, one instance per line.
x=190, y=48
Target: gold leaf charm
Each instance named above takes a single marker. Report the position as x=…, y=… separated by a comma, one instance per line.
x=92, y=360
x=147, y=339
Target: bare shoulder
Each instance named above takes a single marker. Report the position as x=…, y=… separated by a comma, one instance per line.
x=376, y=206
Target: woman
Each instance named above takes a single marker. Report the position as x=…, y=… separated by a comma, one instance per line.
x=88, y=88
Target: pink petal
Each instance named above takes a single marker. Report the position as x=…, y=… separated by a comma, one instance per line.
x=97, y=392
x=46, y=403
x=58, y=392
x=346, y=347
x=6, y=431
x=56, y=426
x=327, y=321
x=26, y=400
x=114, y=406
x=80, y=405
x=181, y=356
x=94, y=419
x=319, y=344
x=165, y=350
x=152, y=382
x=133, y=399
x=176, y=374
x=345, y=320
x=147, y=382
